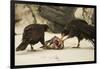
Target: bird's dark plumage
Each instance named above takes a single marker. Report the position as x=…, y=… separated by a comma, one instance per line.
x=80, y=29
x=32, y=34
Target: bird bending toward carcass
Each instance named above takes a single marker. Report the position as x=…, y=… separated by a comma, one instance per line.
x=80, y=29
x=32, y=34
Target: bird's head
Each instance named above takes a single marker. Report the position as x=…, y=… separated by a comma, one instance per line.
x=64, y=33
x=45, y=27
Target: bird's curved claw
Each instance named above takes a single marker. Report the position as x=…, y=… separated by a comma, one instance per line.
x=75, y=47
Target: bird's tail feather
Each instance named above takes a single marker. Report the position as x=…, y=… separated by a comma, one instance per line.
x=22, y=46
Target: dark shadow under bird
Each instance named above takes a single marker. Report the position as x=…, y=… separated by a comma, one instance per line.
x=32, y=34
x=80, y=29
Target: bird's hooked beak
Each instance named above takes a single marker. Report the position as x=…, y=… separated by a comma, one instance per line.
x=62, y=36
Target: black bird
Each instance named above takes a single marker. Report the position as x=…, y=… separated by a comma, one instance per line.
x=32, y=34
x=80, y=29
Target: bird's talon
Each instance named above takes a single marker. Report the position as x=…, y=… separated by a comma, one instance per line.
x=75, y=47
